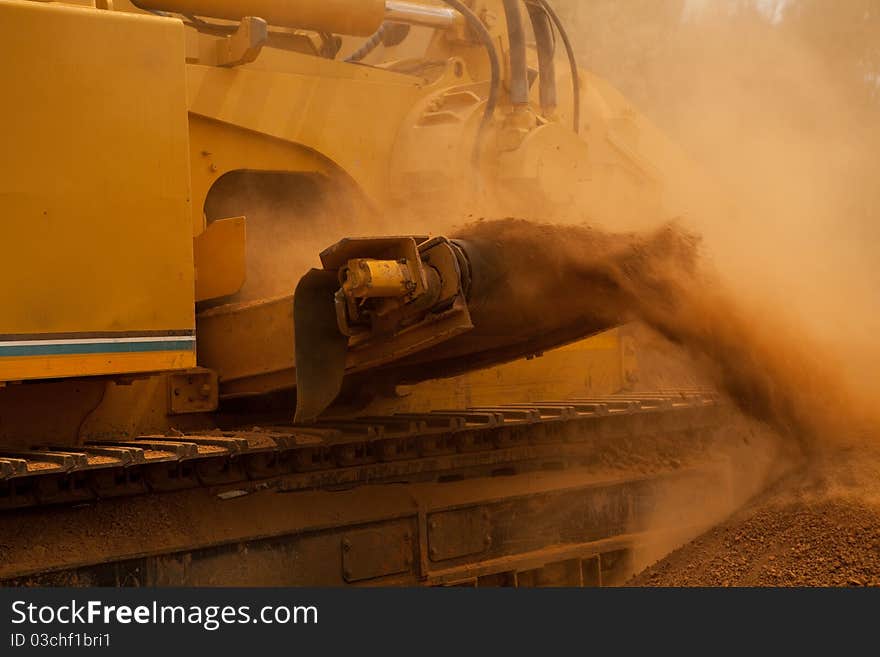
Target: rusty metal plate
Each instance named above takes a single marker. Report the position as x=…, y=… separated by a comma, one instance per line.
x=458, y=533
x=319, y=346
x=372, y=553
x=192, y=391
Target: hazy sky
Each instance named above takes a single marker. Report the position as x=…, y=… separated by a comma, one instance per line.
x=772, y=9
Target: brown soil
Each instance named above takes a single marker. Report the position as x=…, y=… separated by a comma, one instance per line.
x=818, y=527
x=824, y=543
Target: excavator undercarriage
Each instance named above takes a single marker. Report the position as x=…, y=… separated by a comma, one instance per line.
x=524, y=494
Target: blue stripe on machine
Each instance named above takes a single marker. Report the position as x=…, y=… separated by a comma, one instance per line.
x=95, y=347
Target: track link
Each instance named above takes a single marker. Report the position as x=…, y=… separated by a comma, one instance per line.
x=345, y=451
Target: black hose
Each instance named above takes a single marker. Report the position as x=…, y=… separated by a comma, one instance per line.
x=572, y=62
x=519, y=70
x=495, y=86
x=546, y=44
x=369, y=45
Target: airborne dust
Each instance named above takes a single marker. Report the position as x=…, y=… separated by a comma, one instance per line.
x=767, y=366
x=777, y=300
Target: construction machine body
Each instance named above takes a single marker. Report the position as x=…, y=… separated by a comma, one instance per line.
x=174, y=169
x=126, y=123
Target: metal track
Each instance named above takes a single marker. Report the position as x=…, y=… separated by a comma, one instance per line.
x=346, y=451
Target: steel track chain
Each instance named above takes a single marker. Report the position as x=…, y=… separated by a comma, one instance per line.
x=359, y=450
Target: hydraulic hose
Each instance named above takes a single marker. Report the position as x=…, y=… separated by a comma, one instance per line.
x=495, y=85
x=519, y=72
x=369, y=45
x=546, y=45
x=572, y=61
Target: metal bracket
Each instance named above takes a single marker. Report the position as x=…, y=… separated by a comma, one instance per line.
x=245, y=44
x=192, y=391
x=373, y=553
x=459, y=533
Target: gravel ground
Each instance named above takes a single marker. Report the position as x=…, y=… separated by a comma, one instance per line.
x=818, y=527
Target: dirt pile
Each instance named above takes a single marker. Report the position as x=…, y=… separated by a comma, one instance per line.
x=825, y=543
x=818, y=527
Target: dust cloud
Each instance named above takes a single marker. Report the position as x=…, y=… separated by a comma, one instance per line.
x=768, y=368
x=291, y=219
x=798, y=411
x=776, y=104
x=772, y=103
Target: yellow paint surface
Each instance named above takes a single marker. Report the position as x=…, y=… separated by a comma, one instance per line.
x=46, y=367
x=94, y=182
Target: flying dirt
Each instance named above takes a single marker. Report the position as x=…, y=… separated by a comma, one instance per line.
x=819, y=524
x=769, y=370
x=789, y=131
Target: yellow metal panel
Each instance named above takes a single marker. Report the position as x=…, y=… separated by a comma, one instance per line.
x=217, y=148
x=361, y=17
x=227, y=345
x=346, y=114
x=64, y=366
x=606, y=340
x=589, y=367
x=94, y=192
x=220, y=258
